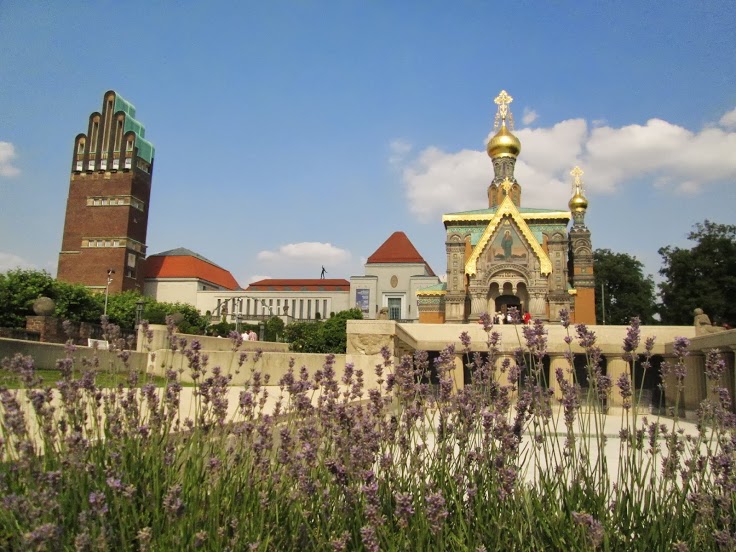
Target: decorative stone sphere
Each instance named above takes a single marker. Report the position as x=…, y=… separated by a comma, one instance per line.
x=44, y=306
x=177, y=318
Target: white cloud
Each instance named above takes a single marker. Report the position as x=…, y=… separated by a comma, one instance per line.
x=529, y=116
x=257, y=278
x=306, y=252
x=399, y=150
x=7, y=154
x=303, y=260
x=666, y=154
x=438, y=181
x=8, y=261
x=729, y=119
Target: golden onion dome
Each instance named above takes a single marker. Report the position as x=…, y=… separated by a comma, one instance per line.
x=578, y=202
x=503, y=144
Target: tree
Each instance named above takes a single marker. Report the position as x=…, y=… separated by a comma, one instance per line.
x=334, y=330
x=274, y=328
x=704, y=276
x=328, y=336
x=19, y=288
x=76, y=302
x=622, y=288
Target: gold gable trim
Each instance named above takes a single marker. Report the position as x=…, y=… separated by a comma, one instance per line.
x=468, y=217
x=507, y=207
x=436, y=292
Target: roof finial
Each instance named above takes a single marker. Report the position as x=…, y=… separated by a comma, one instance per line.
x=503, y=114
x=577, y=182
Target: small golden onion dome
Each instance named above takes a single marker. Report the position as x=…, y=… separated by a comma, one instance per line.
x=503, y=144
x=578, y=202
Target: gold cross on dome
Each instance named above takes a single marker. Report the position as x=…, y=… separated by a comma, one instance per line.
x=502, y=101
x=577, y=182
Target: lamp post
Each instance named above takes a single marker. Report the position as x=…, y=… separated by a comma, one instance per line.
x=603, y=302
x=139, y=306
x=110, y=272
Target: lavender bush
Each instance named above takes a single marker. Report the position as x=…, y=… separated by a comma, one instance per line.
x=321, y=463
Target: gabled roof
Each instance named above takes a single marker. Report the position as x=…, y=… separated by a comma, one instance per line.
x=300, y=284
x=507, y=208
x=398, y=249
x=526, y=213
x=183, y=263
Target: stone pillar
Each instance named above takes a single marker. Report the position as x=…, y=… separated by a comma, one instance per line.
x=615, y=366
x=558, y=360
x=695, y=388
x=670, y=385
x=478, y=303
x=458, y=373
x=537, y=306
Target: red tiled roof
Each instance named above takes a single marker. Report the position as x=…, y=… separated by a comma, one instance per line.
x=398, y=249
x=300, y=284
x=187, y=266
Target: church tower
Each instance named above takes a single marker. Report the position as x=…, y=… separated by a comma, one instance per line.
x=503, y=149
x=581, y=254
x=104, y=241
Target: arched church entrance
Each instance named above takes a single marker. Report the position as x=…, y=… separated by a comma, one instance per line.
x=504, y=302
x=505, y=295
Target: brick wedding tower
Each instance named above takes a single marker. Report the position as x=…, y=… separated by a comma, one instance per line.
x=107, y=208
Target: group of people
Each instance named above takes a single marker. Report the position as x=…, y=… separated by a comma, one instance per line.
x=250, y=335
x=508, y=318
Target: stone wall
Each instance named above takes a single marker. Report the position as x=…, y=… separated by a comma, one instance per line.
x=51, y=330
x=45, y=355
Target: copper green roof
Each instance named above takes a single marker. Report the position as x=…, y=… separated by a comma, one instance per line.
x=442, y=286
x=146, y=150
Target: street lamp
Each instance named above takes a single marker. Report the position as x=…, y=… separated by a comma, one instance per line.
x=110, y=272
x=139, y=305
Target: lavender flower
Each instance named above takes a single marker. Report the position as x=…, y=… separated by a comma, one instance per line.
x=485, y=320
x=624, y=385
x=565, y=318
x=593, y=528
x=97, y=503
x=631, y=341
x=715, y=365
x=436, y=511
x=404, y=509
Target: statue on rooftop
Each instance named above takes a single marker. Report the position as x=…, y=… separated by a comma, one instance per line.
x=703, y=324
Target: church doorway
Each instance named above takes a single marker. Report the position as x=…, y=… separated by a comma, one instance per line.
x=505, y=302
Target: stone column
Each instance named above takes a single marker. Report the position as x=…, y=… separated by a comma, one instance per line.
x=670, y=385
x=458, y=373
x=558, y=360
x=503, y=377
x=615, y=366
x=537, y=307
x=478, y=304
x=694, y=383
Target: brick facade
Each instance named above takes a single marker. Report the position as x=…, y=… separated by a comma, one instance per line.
x=107, y=207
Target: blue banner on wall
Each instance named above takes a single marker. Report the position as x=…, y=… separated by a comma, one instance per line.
x=363, y=299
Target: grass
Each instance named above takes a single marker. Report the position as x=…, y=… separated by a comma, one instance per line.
x=104, y=379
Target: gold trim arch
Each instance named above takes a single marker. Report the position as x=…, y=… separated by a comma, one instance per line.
x=507, y=208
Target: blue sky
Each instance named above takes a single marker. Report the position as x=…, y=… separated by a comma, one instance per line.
x=291, y=135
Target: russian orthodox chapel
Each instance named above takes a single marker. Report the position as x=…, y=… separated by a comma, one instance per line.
x=512, y=256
